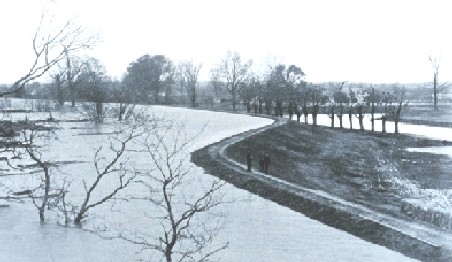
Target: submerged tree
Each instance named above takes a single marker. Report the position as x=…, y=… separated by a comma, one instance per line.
x=114, y=167
x=186, y=211
x=93, y=86
x=31, y=148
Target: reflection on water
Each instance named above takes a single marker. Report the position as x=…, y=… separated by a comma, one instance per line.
x=440, y=133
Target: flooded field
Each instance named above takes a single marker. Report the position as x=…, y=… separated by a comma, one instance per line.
x=254, y=227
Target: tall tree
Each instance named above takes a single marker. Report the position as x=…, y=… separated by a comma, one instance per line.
x=188, y=75
x=437, y=87
x=147, y=75
x=74, y=67
x=93, y=85
x=340, y=98
x=435, y=65
x=232, y=72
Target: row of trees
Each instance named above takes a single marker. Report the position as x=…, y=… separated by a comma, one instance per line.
x=158, y=80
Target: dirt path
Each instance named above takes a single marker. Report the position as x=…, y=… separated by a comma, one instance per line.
x=410, y=238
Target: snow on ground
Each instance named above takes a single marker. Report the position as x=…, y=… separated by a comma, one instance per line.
x=257, y=229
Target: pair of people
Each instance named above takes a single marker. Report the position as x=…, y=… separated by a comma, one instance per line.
x=264, y=162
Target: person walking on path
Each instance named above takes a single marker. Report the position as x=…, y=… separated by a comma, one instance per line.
x=266, y=163
x=249, y=159
x=261, y=163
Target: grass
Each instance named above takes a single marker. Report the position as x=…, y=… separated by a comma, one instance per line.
x=362, y=167
x=326, y=159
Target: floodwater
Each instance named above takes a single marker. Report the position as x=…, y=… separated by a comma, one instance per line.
x=256, y=229
x=439, y=133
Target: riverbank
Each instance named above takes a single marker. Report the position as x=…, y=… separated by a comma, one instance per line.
x=429, y=117
x=372, y=171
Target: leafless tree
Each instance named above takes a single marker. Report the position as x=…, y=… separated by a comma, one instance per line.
x=36, y=156
x=185, y=210
x=93, y=86
x=75, y=66
x=395, y=110
x=341, y=105
x=188, y=73
x=50, y=47
x=116, y=166
x=372, y=109
x=435, y=64
x=232, y=72
x=34, y=151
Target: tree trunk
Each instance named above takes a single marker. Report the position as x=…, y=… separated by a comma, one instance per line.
x=69, y=81
x=372, y=110
x=435, y=98
x=359, y=108
x=99, y=110
x=45, y=198
x=305, y=113
x=59, y=90
x=350, y=118
x=435, y=91
x=383, y=124
x=332, y=116
x=397, y=118
x=233, y=99
x=194, y=96
x=340, y=116
x=121, y=111
x=168, y=256
x=315, y=110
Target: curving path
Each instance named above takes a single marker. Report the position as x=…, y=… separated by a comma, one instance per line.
x=410, y=238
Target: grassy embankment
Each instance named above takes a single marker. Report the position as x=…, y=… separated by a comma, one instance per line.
x=371, y=169
x=368, y=168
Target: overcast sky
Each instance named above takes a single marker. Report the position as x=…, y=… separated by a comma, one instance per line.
x=331, y=40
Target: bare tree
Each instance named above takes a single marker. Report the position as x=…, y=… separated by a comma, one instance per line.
x=350, y=116
x=397, y=109
x=45, y=166
x=233, y=73
x=50, y=47
x=43, y=192
x=435, y=65
x=93, y=83
x=116, y=166
x=341, y=101
x=185, y=211
x=372, y=109
x=75, y=66
x=188, y=73
x=125, y=99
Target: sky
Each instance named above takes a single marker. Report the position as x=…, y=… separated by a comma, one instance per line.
x=384, y=41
